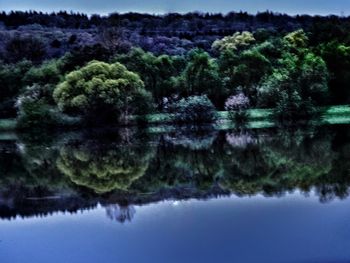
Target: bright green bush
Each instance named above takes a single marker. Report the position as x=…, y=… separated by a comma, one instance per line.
x=102, y=92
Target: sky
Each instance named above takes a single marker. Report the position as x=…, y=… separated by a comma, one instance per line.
x=321, y=7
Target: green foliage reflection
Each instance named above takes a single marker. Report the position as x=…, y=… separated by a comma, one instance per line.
x=103, y=169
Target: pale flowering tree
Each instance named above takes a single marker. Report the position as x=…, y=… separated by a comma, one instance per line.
x=237, y=102
x=236, y=105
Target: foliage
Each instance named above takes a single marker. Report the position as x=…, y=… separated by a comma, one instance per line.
x=11, y=79
x=201, y=77
x=103, y=169
x=47, y=73
x=236, y=41
x=35, y=111
x=337, y=58
x=30, y=48
x=236, y=106
x=289, y=68
x=194, y=110
x=237, y=102
x=297, y=84
x=296, y=39
x=244, y=70
x=155, y=71
x=101, y=92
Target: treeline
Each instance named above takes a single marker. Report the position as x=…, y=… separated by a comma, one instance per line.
x=255, y=70
x=194, y=20
x=174, y=34
x=100, y=73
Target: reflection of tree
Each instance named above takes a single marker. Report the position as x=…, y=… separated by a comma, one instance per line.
x=193, y=139
x=337, y=182
x=103, y=168
x=241, y=139
x=184, y=161
x=270, y=162
x=28, y=169
x=120, y=213
x=278, y=164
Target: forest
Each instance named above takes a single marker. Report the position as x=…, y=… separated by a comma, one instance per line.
x=68, y=69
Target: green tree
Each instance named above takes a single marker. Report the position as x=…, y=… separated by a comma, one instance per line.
x=47, y=73
x=337, y=58
x=296, y=40
x=244, y=70
x=201, y=76
x=102, y=92
x=11, y=79
x=155, y=71
x=236, y=41
x=296, y=85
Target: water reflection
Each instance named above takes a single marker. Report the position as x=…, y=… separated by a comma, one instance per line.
x=121, y=168
x=103, y=168
x=120, y=213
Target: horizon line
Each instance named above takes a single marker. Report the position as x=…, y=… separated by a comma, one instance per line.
x=164, y=13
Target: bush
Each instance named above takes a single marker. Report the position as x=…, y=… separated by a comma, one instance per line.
x=194, y=110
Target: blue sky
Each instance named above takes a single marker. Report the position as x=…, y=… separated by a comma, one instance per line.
x=322, y=7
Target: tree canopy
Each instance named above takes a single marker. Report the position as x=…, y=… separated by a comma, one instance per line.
x=100, y=88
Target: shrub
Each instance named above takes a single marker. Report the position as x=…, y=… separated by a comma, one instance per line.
x=194, y=110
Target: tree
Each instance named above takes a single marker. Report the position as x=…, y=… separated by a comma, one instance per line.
x=194, y=110
x=31, y=48
x=11, y=79
x=34, y=110
x=297, y=39
x=102, y=92
x=47, y=73
x=235, y=42
x=337, y=58
x=201, y=76
x=236, y=105
x=82, y=55
x=155, y=71
x=314, y=78
x=295, y=86
x=244, y=70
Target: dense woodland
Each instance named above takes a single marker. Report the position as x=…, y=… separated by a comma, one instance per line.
x=103, y=69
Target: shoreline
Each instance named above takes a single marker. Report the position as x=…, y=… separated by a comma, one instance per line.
x=257, y=118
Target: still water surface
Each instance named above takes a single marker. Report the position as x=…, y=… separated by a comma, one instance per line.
x=130, y=196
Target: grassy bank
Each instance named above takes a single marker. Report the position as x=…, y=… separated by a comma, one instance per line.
x=7, y=124
x=257, y=118
x=335, y=114
x=331, y=113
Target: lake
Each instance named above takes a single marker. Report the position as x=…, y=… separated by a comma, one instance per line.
x=186, y=195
